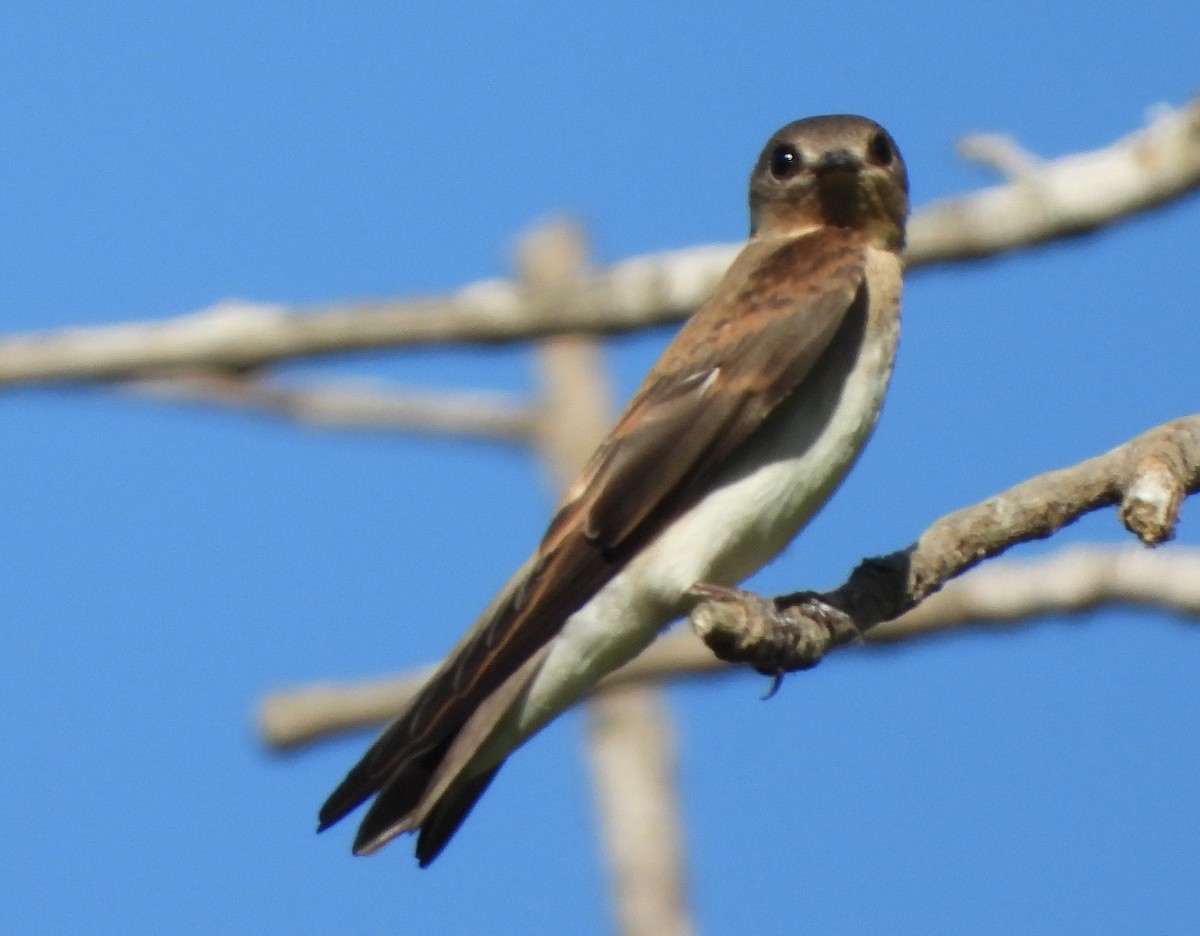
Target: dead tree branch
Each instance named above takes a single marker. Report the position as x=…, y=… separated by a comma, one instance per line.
x=1060, y=198
x=353, y=405
x=1054, y=199
x=630, y=735
x=631, y=750
x=1147, y=476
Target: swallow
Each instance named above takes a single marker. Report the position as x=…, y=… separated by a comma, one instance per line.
x=737, y=436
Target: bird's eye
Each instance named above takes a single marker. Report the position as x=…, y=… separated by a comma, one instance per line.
x=880, y=149
x=785, y=161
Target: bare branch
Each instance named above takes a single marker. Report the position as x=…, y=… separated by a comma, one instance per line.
x=1063, y=197
x=1004, y=592
x=293, y=718
x=1055, y=199
x=1073, y=581
x=1148, y=476
x=632, y=754
x=576, y=407
x=630, y=738
x=355, y=404
x=999, y=152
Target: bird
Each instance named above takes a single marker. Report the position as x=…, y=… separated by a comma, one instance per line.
x=736, y=437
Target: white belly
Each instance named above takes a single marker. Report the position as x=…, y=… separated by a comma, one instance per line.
x=759, y=503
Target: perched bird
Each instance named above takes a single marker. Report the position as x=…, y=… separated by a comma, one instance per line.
x=736, y=437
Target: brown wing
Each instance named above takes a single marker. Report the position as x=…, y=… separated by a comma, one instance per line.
x=754, y=342
x=734, y=362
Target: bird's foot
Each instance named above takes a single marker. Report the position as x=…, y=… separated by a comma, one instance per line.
x=772, y=636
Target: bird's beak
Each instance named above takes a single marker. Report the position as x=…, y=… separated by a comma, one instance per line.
x=838, y=161
x=839, y=179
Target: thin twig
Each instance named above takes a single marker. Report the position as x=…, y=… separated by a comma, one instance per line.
x=1000, y=152
x=356, y=404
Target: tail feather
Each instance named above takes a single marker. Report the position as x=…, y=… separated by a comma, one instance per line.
x=454, y=806
x=435, y=793
x=377, y=769
x=430, y=766
x=392, y=811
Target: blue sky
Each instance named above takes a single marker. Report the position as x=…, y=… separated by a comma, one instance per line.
x=166, y=566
